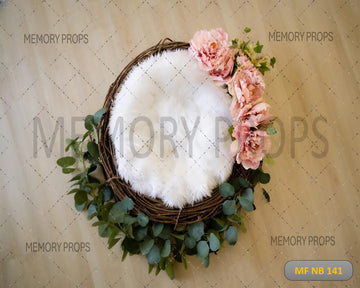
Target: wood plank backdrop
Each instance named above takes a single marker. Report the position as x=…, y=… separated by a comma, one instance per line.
x=314, y=91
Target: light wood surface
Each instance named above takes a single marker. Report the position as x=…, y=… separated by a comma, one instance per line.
x=46, y=84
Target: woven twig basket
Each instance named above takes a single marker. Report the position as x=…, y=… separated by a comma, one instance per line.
x=155, y=209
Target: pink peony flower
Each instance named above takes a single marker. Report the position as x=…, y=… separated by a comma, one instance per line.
x=246, y=87
x=258, y=114
x=212, y=49
x=254, y=146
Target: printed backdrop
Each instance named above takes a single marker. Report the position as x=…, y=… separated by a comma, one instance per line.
x=48, y=83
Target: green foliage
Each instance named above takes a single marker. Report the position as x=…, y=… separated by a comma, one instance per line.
x=226, y=190
x=214, y=242
x=66, y=161
x=93, y=149
x=146, y=246
x=153, y=256
x=252, y=51
x=162, y=244
x=190, y=242
x=98, y=115
x=231, y=235
x=165, y=251
x=202, y=249
x=264, y=178
x=157, y=228
x=196, y=230
x=247, y=199
x=272, y=62
x=142, y=219
x=258, y=47
x=229, y=207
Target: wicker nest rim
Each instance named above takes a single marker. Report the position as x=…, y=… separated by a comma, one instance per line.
x=155, y=209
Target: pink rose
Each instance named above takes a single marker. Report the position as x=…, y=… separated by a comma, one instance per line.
x=254, y=146
x=211, y=48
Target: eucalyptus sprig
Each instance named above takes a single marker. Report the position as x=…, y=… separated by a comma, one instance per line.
x=162, y=244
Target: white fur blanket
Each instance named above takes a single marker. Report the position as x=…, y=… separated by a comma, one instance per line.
x=163, y=126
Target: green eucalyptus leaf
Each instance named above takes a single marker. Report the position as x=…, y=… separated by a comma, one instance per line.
x=66, y=161
x=240, y=183
x=196, y=230
x=202, y=249
x=91, y=211
x=142, y=219
x=104, y=230
x=146, y=246
x=229, y=207
x=126, y=204
x=107, y=193
x=166, y=232
x=157, y=228
x=189, y=241
x=231, y=235
x=89, y=122
x=214, y=242
x=98, y=115
x=80, y=207
x=93, y=149
x=140, y=233
x=206, y=261
x=116, y=213
x=153, y=256
x=247, y=199
x=226, y=190
x=80, y=197
x=246, y=204
x=248, y=194
x=130, y=245
x=165, y=251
